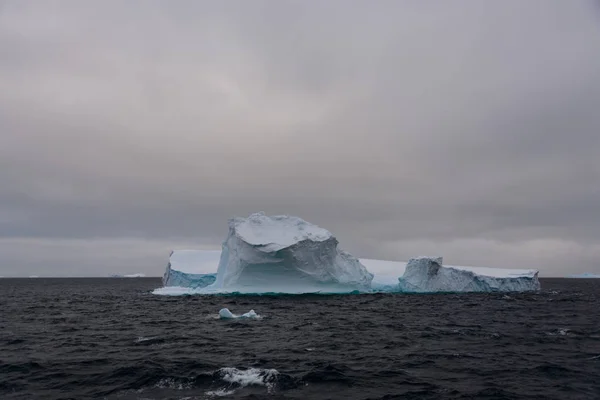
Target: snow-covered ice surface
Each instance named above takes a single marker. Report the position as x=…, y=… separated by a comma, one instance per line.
x=285, y=254
x=271, y=234
x=428, y=274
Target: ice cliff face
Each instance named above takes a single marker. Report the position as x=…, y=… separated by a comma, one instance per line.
x=285, y=254
x=186, y=268
x=427, y=274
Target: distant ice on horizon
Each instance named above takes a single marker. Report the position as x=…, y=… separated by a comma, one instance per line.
x=136, y=275
x=585, y=275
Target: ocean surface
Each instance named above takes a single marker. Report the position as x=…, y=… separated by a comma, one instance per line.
x=113, y=339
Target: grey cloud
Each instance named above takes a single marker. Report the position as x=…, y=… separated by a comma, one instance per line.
x=467, y=127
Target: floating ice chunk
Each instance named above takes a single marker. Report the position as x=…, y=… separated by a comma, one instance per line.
x=251, y=314
x=224, y=313
x=285, y=254
x=427, y=274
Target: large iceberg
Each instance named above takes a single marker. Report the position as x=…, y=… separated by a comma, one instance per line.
x=428, y=274
x=284, y=254
x=288, y=255
x=419, y=275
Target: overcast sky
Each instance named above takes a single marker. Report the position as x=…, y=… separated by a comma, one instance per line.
x=467, y=129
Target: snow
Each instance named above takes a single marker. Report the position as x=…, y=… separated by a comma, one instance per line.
x=224, y=313
x=285, y=254
x=428, y=274
x=275, y=233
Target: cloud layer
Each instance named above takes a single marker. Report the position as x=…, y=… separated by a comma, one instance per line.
x=463, y=129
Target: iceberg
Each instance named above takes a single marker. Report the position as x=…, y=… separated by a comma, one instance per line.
x=187, y=268
x=285, y=254
x=389, y=276
x=428, y=274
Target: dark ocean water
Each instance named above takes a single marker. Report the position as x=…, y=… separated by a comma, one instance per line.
x=113, y=339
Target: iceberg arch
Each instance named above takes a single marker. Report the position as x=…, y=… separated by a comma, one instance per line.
x=285, y=254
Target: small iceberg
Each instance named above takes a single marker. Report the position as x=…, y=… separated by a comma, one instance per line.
x=224, y=313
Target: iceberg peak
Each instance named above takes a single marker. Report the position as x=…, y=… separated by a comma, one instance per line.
x=274, y=233
x=285, y=254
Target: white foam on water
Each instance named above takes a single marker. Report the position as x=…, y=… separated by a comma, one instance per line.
x=219, y=393
x=243, y=378
x=248, y=377
x=143, y=339
x=559, y=332
x=170, y=383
